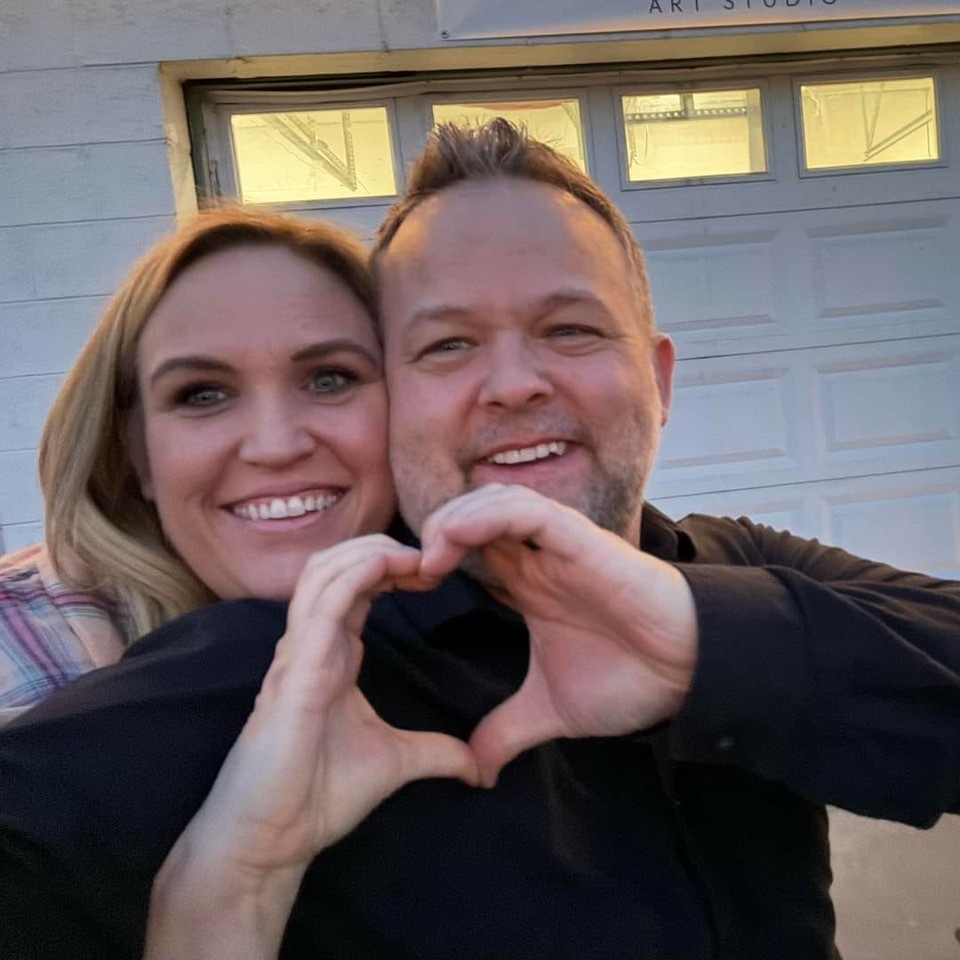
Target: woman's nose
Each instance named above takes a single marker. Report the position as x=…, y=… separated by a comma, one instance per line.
x=277, y=434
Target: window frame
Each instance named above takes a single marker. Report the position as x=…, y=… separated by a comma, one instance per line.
x=216, y=109
x=409, y=109
x=541, y=93
x=804, y=172
x=733, y=83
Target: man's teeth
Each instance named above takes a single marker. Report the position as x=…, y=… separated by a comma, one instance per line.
x=280, y=508
x=528, y=454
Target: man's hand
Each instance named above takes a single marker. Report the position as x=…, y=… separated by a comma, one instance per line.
x=613, y=631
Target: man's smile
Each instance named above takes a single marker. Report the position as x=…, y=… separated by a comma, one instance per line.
x=539, y=451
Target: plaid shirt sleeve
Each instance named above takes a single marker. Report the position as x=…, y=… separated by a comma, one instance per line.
x=49, y=634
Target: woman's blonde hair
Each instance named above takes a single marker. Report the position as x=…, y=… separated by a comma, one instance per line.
x=101, y=534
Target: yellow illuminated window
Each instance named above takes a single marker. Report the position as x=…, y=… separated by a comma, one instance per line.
x=555, y=122
x=313, y=155
x=705, y=133
x=869, y=122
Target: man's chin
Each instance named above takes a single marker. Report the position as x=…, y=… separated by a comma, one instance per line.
x=474, y=567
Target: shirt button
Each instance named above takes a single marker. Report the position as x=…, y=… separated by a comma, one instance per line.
x=726, y=743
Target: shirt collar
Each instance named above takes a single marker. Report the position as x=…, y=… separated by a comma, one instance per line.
x=460, y=596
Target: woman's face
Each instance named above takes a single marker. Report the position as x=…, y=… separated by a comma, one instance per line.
x=263, y=415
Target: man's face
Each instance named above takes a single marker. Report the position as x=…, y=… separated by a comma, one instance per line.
x=516, y=353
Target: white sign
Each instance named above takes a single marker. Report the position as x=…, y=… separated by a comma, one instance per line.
x=482, y=19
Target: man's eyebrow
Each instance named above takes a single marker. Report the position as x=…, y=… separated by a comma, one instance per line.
x=564, y=297
x=315, y=351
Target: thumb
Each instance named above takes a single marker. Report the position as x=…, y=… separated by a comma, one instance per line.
x=517, y=724
x=427, y=755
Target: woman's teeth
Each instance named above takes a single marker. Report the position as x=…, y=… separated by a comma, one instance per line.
x=280, y=508
x=528, y=454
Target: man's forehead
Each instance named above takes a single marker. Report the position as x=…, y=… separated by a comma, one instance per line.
x=488, y=212
x=494, y=247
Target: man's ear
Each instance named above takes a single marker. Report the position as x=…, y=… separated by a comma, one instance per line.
x=664, y=359
x=136, y=445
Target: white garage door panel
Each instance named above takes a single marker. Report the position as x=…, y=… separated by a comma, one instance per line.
x=707, y=284
x=748, y=284
x=871, y=267
x=910, y=520
x=898, y=398
x=808, y=415
x=714, y=401
x=920, y=527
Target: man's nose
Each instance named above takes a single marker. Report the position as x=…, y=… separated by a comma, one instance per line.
x=514, y=378
x=276, y=433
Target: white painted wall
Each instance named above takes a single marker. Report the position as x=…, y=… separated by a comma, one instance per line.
x=84, y=187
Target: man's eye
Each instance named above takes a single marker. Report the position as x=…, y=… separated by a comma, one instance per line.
x=200, y=395
x=448, y=345
x=571, y=330
x=325, y=382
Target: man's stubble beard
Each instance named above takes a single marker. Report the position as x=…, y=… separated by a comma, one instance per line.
x=612, y=499
x=613, y=505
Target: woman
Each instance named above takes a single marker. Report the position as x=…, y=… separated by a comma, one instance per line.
x=226, y=419
x=226, y=423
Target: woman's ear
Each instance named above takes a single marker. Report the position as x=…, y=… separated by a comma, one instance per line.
x=136, y=444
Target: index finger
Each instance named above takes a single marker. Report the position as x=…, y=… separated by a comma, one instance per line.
x=494, y=513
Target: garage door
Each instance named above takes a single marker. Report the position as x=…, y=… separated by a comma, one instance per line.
x=803, y=233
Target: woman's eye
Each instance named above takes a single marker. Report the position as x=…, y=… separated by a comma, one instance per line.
x=200, y=395
x=326, y=382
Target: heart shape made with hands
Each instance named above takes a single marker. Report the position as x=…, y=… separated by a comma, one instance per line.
x=612, y=630
x=612, y=650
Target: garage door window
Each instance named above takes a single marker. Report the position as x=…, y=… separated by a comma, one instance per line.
x=313, y=155
x=693, y=134
x=556, y=122
x=869, y=123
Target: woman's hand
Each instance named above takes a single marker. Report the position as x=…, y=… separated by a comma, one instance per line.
x=311, y=762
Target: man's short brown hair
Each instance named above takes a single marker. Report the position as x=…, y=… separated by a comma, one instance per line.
x=500, y=149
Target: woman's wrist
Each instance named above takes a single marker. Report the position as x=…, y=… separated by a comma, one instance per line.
x=218, y=909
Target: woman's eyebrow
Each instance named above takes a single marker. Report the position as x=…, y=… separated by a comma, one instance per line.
x=197, y=362
x=317, y=351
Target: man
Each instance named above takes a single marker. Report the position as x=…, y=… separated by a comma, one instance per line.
x=658, y=728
